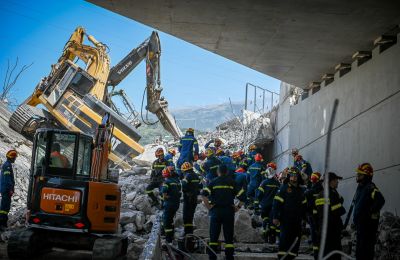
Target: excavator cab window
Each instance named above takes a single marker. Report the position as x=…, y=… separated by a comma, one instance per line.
x=62, y=150
x=81, y=83
x=84, y=156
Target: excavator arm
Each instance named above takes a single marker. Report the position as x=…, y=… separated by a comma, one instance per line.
x=149, y=50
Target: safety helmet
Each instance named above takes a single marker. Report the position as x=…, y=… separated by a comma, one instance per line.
x=295, y=151
x=366, y=169
x=217, y=142
x=258, y=157
x=240, y=170
x=159, y=152
x=209, y=152
x=190, y=130
x=168, y=171
x=293, y=171
x=12, y=154
x=172, y=151
x=272, y=165
x=298, y=158
x=240, y=152
x=235, y=155
x=219, y=152
x=252, y=147
x=186, y=166
x=315, y=177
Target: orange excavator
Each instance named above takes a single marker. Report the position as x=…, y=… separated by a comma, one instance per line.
x=73, y=198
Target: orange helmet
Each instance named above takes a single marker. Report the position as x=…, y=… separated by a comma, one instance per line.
x=240, y=152
x=252, y=147
x=235, y=155
x=191, y=130
x=186, y=166
x=172, y=151
x=209, y=152
x=366, y=169
x=159, y=152
x=298, y=157
x=168, y=171
x=219, y=151
x=272, y=165
x=258, y=157
x=12, y=154
x=315, y=177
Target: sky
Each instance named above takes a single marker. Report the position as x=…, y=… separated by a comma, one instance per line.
x=36, y=31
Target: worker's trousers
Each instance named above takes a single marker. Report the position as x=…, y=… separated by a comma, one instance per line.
x=168, y=220
x=221, y=217
x=4, y=208
x=366, y=239
x=189, y=207
x=289, y=239
x=150, y=190
x=270, y=231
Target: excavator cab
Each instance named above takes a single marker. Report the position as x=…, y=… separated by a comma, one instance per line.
x=73, y=200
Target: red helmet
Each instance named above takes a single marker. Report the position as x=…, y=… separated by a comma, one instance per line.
x=298, y=158
x=258, y=157
x=168, y=171
x=12, y=154
x=240, y=170
x=172, y=151
x=240, y=152
x=272, y=165
x=366, y=169
x=159, y=152
x=315, y=177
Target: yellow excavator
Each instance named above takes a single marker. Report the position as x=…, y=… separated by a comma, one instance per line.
x=77, y=98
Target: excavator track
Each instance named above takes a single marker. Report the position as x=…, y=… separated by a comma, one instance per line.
x=110, y=248
x=24, y=244
x=21, y=117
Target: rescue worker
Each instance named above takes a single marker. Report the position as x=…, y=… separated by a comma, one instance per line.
x=217, y=144
x=7, y=187
x=170, y=156
x=191, y=186
x=264, y=197
x=311, y=194
x=304, y=168
x=240, y=177
x=57, y=159
x=335, y=213
x=156, y=178
x=288, y=209
x=250, y=156
x=188, y=148
x=236, y=158
x=210, y=166
x=254, y=179
x=171, y=192
x=221, y=192
x=367, y=205
x=227, y=160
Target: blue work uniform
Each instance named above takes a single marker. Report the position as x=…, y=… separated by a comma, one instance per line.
x=241, y=183
x=335, y=223
x=311, y=194
x=228, y=162
x=210, y=167
x=221, y=193
x=289, y=207
x=254, y=179
x=367, y=205
x=170, y=159
x=6, y=188
x=156, y=178
x=191, y=186
x=171, y=191
x=265, y=194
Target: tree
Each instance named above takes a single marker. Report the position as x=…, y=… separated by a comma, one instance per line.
x=10, y=80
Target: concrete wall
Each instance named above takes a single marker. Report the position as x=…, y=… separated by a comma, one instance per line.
x=366, y=128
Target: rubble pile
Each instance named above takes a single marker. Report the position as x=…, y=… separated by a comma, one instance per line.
x=239, y=132
x=388, y=244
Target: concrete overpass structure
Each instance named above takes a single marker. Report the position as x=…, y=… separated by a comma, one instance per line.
x=340, y=49
x=294, y=41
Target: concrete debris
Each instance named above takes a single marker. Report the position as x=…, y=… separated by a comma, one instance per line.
x=244, y=231
x=388, y=244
